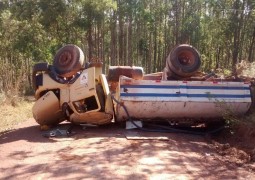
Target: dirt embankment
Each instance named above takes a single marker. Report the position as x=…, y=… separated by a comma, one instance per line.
x=237, y=144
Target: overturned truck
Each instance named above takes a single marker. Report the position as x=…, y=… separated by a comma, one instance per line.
x=79, y=92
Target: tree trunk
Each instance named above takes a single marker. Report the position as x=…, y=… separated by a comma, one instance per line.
x=121, y=34
x=155, y=50
x=125, y=34
x=90, y=43
x=130, y=48
x=236, y=37
x=251, y=49
x=177, y=23
x=113, y=40
x=149, y=60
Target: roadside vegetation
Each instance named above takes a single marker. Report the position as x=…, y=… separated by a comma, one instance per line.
x=14, y=110
x=236, y=142
x=123, y=32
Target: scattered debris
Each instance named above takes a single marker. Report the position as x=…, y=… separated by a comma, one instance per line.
x=58, y=132
x=232, y=154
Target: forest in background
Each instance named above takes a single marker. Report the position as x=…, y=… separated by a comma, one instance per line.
x=122, y=32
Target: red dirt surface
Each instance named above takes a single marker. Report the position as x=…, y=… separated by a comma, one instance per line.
x=237, y=143
x=106, y=153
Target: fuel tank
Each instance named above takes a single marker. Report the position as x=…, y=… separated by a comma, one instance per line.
x=155, y=99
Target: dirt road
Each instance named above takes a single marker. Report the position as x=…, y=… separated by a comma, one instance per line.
x=107, y=153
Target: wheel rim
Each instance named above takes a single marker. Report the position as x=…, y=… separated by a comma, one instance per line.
x=65, y=59
x=186, y=58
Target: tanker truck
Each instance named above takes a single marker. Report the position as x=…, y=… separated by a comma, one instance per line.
x=75, y=91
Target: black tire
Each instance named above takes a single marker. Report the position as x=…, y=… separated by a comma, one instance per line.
x=184, y=60
x=39, y=67
x=68, y=60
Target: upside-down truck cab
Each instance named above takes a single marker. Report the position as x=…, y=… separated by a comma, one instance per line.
x=69, y=90
x=87, y=100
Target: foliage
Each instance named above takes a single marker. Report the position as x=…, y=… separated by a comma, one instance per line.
x=123, y=32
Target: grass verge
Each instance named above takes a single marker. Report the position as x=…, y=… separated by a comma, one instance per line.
x=14, y=113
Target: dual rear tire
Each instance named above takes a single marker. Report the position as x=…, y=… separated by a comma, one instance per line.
x=182, y=62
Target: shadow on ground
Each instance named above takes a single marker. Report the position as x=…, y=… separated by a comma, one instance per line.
x=106, y=153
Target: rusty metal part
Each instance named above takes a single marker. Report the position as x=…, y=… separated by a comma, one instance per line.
x=130, y=71
x=207, y=77
x=168, y=74
x=95, y=64
x=153, y=76
x=97, y=118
